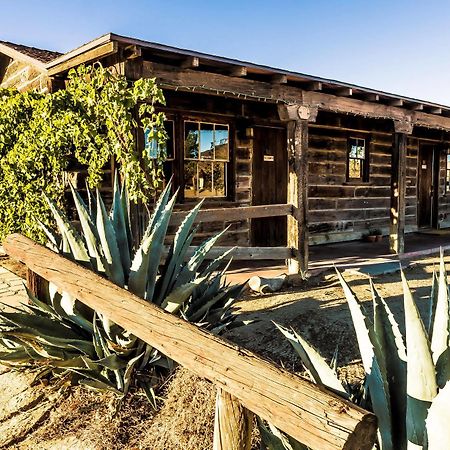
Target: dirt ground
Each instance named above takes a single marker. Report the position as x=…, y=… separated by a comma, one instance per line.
x=185, y=420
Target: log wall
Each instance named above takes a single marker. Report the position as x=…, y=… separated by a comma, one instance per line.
x=21, y=75
x=444, y=197
x=340, y=210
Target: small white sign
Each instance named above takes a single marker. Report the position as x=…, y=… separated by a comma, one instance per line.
x=424, y=166
x=269, y=158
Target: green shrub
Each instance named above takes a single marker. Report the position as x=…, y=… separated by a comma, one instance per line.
x=93, y=120
x=60, y=334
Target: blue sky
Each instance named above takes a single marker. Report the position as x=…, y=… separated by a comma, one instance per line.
x=398, y=46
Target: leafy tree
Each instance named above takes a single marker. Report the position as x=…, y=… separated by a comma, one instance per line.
x=95, y=118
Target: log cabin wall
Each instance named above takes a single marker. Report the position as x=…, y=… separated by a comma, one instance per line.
x=341, y=210
x=444, y=192
x=185, y=106
x=21, y=75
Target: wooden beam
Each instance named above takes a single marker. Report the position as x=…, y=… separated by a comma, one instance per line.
x=190, y=62
x=279, y=79
x=238, y=71
x=246, y=253
x=90, y=56
x=344, y=92
x=232, y=424
x=435, y=110
x=234, y=214
x=298, y=235
x=416, y=107
x=132, y=52
x=312, y=415
x=372, y=97
x=398, y=192
x=314, y=86
x=216, y=84
x=395, y=102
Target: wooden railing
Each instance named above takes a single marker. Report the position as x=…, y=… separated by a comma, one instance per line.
x=243, y=213
x=246, y=383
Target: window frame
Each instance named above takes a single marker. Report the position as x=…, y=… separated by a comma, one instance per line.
x=199, y=120
x=447, y=171
x=365, y=162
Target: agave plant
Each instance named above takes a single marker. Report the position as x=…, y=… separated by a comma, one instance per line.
x=406, y=376
x=60, y=334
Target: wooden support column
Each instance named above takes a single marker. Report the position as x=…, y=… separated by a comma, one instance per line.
x=232, y=424
x=298, y=117
x=398, y=187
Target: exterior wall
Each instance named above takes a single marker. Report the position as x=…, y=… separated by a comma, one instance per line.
x=21, y=75
x=341, y=210
x=444, y=197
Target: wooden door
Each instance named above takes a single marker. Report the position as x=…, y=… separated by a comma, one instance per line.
x=269, y=184
x=426, y=192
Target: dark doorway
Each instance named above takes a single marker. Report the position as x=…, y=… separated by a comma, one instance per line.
x=427, y=186
x=270, y=168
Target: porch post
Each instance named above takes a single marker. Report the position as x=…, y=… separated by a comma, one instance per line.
x=297, y=117
x=398, y=186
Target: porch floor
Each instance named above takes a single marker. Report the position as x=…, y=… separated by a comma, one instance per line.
x=347, y=255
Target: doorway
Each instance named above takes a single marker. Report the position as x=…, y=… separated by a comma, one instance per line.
x=269, y=184
x=427, y=186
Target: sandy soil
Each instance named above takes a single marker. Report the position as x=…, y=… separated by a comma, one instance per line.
x=317, y=310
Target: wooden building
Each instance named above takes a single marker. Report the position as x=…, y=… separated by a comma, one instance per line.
x=347, y=158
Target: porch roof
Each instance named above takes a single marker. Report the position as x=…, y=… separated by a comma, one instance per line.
x=234, y=67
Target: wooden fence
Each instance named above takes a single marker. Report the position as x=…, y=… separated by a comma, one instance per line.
x=246, y=383
x=243, y=213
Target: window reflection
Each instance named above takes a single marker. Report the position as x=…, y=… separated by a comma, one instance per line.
x=206, y=141
x=191, y=140
x=206, y=156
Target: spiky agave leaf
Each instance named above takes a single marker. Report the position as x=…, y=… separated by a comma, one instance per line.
x=72, y=243
x=108, y=241
x=437, y=429
x=177, y=251
x=421, y=375
x=119, y=216
x=393, y=353
x=90, y=233
x=433, y=304
x=320, y=371
x=144, y=268
x=374, y=367
x=273, y=439
x=440, y=335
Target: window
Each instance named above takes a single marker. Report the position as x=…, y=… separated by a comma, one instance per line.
x=167, y=149
x=447, y=172
x=206, y=153
x=357, y=161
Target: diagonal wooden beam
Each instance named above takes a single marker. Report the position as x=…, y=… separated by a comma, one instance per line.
x=314, y=416
x=90, y=56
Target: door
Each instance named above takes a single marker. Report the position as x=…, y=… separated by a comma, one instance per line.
x=426, y=192
x=269, y=184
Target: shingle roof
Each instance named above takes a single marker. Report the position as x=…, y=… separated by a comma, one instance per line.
x=41, y=55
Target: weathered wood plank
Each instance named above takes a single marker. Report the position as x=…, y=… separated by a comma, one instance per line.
x=319, y=419
x=232, y=424
x=248, y=253
x=89, y=56
x=234, y=214
x=298, y=234
x=398, y=192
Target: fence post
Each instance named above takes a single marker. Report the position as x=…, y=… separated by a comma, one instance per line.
x=232, y=424
x=36, y=284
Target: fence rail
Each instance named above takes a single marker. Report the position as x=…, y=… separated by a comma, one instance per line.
x=312, y=415
x=242, y=213
x=235, y=214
